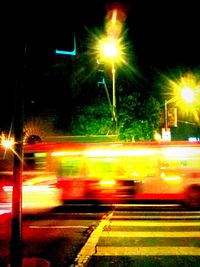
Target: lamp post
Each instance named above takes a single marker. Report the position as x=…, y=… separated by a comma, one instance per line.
x=110, y=50
x=114, y=93
x=166, y=117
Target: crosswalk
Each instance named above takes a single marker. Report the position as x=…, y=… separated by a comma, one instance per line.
x=144, y=233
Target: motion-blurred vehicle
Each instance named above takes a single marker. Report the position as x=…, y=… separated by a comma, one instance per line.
x=125, y=172
x=39, y=188
x=117, y=172
x=39, y=194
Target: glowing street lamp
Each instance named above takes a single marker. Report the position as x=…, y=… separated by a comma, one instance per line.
x=110, y=51
x=186, y=94
x=8, y=142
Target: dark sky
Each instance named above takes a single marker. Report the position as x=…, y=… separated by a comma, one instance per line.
x=164, y=34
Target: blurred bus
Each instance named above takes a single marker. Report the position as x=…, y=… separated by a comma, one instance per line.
x=119, y=172
x=39, y=187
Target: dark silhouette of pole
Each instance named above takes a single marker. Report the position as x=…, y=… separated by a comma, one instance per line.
x=108, y=97
x=166, y=116
x=16, y=224
x=114, y=95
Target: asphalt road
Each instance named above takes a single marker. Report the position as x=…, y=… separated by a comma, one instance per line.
x=74, y=236
x=57, y=236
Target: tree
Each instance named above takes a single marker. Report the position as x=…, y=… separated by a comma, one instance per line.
x=138, y=119
x=135, y=122
x=92, y=119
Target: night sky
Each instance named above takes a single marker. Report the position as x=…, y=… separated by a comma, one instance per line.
x=164, y=34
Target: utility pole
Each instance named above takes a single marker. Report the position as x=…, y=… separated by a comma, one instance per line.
x=114, y=95
x=166, y=115
x=16, y=223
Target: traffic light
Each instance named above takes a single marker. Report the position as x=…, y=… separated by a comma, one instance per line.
x=172, y=117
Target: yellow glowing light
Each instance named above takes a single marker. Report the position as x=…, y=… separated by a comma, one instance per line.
x=37, y=198
x=188, y=94
x=120, y=152
x=157, y=137
x=174, y=179
x=107, y=182
x=65, y=153
x=7, y=142
x=110, y=49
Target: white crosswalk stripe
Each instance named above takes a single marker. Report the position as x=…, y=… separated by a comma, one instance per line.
x=130, y=233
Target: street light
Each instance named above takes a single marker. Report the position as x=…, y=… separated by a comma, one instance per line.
x=110, y=50
x=186, y=91
x=187, y=95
